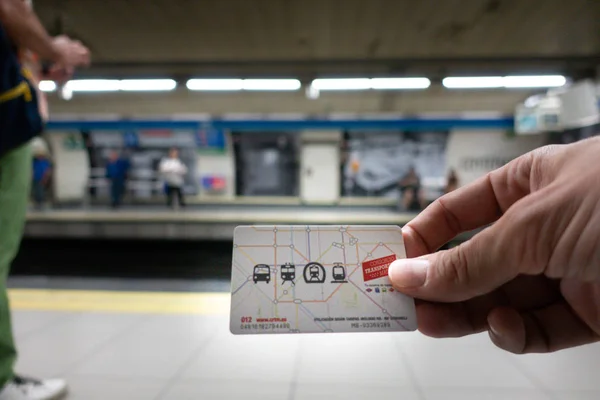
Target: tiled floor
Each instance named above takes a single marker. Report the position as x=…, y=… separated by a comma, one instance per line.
x=178, y=357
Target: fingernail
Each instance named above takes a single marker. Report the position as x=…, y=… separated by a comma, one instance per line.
x=410, y=272
x=495, y=332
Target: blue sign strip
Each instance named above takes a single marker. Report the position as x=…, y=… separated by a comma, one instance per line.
x=410, y=124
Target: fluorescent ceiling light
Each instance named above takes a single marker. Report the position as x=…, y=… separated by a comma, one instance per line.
x=542, y=81
x=214, y=84
x=115, y=85
x=244, y=84
x=342, y=84
x=399, y=83
x=509, y=82
x=475, y=82
x=370, y=83
x=47, y=86
x=271, y=84
x=147, y=85
x=93, y=85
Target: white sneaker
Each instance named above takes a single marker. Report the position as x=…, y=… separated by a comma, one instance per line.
x=21, y=388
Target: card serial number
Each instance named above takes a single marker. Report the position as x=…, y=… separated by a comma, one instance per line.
x=369, y=325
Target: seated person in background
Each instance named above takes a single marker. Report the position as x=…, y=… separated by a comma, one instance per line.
x=173, y=171
x=116, y=171
x=42, y=170
x=410, y=189
x=451, y=182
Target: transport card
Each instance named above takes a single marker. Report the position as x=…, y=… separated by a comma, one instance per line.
x=309, y=279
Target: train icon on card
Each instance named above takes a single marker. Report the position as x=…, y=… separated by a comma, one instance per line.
x=313, y=272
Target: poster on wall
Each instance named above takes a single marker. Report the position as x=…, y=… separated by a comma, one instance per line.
x=380, y=164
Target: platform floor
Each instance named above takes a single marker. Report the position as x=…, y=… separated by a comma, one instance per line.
x=124, y=345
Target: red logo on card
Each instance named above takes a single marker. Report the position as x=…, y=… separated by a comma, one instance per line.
x=378, y=268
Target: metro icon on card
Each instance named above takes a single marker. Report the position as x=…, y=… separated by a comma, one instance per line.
x=309, y=279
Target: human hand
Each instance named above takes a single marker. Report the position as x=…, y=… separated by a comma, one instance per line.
x=70, y=54
x=533, y=278
x=58, y=73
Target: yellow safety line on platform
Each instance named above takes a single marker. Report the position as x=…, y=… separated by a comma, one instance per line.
x=120, y=302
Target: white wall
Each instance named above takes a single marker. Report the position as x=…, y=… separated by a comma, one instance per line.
x=473, y=153
x=71, y=166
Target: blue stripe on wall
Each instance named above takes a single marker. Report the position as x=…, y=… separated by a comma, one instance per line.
x=412, y=124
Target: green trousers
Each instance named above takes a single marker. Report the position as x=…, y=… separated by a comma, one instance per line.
x=15, y=180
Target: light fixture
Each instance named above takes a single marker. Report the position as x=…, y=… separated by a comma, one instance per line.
x=93, y=85
x=473, y=82
x=342, y=84
x=114, y=85
x=509, y=82
x=47, y=86
x=147, y=85
x=271, y=84
x=399, y=83
x=370, y=83
x=541, y=81
x=243, y=84
x=214, y=84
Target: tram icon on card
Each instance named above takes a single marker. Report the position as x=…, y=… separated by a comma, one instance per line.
x=339, y=273
x=314, y=273
x=288, y=273
x=262, y=273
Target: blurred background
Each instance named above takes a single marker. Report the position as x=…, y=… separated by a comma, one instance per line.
x=200, y=115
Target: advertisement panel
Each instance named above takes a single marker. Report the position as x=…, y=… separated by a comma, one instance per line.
x=144, y=149
x=377, y=163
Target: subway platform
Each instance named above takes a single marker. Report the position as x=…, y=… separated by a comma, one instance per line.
x=153, y=339
x=195, y=222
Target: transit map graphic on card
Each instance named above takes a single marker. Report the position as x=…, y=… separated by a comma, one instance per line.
x=308, y=279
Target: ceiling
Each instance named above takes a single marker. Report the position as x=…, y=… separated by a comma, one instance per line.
x=323, y=37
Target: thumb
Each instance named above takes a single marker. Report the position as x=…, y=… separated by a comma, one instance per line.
x=472, y=269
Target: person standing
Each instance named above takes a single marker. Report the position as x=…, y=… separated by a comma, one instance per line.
x=22, y=40
x=410, y=190
x=116, y=171
x=42, y=171
x=173, y=171
x=451, y=182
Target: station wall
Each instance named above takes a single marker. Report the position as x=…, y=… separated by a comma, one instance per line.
x=471, y=153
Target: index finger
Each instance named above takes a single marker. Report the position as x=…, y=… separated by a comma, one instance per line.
x=473, y=206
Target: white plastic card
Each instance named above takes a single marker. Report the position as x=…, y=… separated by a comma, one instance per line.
x=309, y=279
